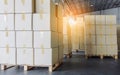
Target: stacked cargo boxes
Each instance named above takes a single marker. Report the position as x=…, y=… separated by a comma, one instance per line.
x=45, y=34
x=90, y=41
x=111, y=36
x=67, y=37
x=60, y=30
x=24, y=33
x=81, y=25
x=104, y=42
x=7, y=33
x=118, y=36
x=77, y=32
x=100, y=35
x=75, y=37
x=29, y=35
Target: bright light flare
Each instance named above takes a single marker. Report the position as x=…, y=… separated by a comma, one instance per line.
x=71, y=21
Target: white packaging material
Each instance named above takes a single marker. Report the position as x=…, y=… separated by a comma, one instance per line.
x=46, y=57
x=24, y=6
x=101, y=40
x=101, y=50
x=45, y=39
x=7, y=6
x=100, y=29
x=111, y=39
x=25, y=56
x=23, y=22
x=100, y=19
x=44, y=5
x=112, y=50
x=111, y=29
x=8, y=56
x=7, y=39
x=7, y=21
x=43, y=22
x=24, y=39
x=111, y=19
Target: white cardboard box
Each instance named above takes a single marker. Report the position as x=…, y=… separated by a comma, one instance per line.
x=6, y=21
x=23, y=22
x=25, y=56
x=60, y=25
x=111, y=39
x=60, y=39
x=90, y=39
x=90, y=19
x=7, y=6
x=43, y=22
x=112, y=50
x=90, y=29
x=111, y=29
x=24, y=39
x=101, y=39
x=7, y=39
x=101, y=50
x=8, y=56
x=110, y=19
x=100, y=29
x=46, y=57
x=44, y=5
x=60, y=49
x=24, y=6
x=45, y=39
x=90, y=50
x=100, y=19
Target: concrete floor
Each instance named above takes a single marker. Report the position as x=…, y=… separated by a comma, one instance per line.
x=77, y=65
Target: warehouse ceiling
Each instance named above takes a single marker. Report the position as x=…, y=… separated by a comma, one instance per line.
x=83, y=6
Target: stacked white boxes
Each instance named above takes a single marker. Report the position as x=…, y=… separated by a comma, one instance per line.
x=104, y=36
x=24, y=33
x=118, y=36
x=81, y=24
x=77, y=32
x=111, y=36
x=60, y=31
x=67, y=37
x=45, y=34
x=29, y=34
x=90, y=43
x=75, y=37
x=7, y=33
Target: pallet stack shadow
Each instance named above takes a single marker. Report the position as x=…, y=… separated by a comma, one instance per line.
x=29, y=34
x=67, y=50
x=101, y=36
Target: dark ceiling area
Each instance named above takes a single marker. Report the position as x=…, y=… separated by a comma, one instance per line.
x=83, y=6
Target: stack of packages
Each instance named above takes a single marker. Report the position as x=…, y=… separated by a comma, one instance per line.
x=60, y=31
x=81, y=25
x=67, y=37
x=24, y=32
x=90, y=43
x=45, y=34
x=75, y=37
x=7, y=33
x=111, y=36
x=118, y=36
x=29, y=35
x=77, y=32
x=101, y=37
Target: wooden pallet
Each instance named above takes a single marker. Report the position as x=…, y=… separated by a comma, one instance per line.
x=51, y=68
x=68, y=55
x=102, y=56
x=5, y=67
